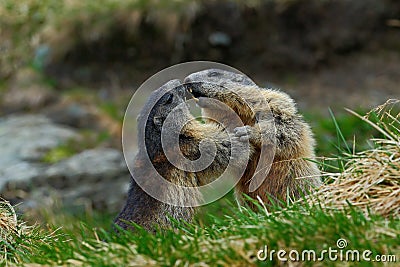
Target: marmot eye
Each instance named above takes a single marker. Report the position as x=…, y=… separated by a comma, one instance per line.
x=169, y=99
x=214, y=74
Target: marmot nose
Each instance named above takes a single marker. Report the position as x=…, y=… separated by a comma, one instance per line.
x=187, y=80
x=193, y=79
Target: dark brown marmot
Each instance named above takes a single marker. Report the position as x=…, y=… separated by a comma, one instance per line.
x=151, y=159
x=292, y=174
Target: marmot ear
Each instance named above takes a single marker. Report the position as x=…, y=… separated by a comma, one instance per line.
x=157, y=121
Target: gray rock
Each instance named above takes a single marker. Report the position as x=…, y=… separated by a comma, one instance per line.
x=220, y=39
x=98, y=177
x=23, y=141
x=28, y=138
x=71, y=114
x=19, y=176
x=93, y=165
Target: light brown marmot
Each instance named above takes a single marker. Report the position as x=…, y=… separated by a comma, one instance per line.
x=293, y=173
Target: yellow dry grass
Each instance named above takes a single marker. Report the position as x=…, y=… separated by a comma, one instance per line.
x=8, y=220
x=371, y=178
x=8, y=227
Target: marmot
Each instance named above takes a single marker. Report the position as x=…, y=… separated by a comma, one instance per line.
x=291, y=173
x=142, y=208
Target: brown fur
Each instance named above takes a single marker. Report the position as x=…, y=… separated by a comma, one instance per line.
x=291, y=174
x=140, y=207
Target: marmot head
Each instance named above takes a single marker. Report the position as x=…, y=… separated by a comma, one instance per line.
x=211, y=82
x=221, y=85
x=168, y=100
x=219, y=77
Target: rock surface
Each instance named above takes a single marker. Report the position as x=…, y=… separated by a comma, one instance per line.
x=97, y=176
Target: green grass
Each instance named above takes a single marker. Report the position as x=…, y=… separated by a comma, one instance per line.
x=226, y=240
x=339, y=133
x=339, y=137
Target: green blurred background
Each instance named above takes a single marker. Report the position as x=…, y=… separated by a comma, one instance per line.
x=79, y=62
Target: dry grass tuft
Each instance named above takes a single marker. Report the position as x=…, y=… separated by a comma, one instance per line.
x=8, y=220
x=371, y=178
x=12, y=231
x=8, y=226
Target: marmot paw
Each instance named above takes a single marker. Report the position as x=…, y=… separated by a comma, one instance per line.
x=245, y=133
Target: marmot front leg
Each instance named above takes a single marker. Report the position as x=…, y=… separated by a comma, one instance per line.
x=227, y=148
